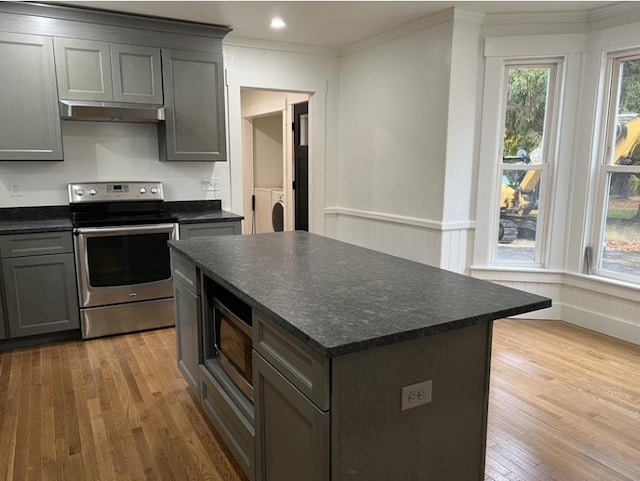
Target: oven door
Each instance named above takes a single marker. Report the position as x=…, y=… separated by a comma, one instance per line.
x=123, y=264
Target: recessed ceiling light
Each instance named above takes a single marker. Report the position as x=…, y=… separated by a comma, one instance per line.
x=277, y=23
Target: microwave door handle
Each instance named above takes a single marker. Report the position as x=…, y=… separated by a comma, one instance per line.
x=237, y=322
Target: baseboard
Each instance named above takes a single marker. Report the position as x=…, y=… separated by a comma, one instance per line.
x=618, y=328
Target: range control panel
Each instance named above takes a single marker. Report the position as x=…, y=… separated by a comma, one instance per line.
x=114, y=191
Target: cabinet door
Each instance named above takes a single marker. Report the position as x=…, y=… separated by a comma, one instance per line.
x=187, y=306
x=136, y=74
x=3, y=330
x=292, y=435
x=29, y=117
x=189, y=231
x=83, y=68
x=41, y=294
x=194, y=129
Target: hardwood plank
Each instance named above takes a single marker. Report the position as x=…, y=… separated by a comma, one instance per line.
x=565, y=397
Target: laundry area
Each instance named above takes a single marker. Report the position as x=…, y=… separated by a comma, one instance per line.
x=269, y=167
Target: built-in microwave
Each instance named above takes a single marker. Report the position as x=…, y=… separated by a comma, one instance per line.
x=227, y=338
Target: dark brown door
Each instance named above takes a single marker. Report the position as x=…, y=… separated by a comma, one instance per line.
x=301, y=165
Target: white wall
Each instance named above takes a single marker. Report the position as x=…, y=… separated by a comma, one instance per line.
x=267, y=151
x=106, y=151
x=254, y=65
x=392, y=146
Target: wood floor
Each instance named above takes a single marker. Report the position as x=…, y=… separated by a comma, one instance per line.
x=565, y=405
x=107, y=409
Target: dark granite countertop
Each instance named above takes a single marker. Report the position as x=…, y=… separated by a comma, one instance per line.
x=202, y=217
x=27, y=220
x=339, y=298
x=200, y=211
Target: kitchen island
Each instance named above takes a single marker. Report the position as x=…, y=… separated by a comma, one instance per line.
x=365, y=366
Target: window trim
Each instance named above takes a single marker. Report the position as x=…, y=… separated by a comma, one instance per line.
x=550, y=154
x=613, y=79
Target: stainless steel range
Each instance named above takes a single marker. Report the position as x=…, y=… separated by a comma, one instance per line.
x=122, y=258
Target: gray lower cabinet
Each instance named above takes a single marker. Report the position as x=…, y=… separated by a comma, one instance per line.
x=188, y=231
x=29, y=117
x=292, y=434
x=103, y=71
x=3, y=330
x=41, y=294
x=187, y=305
x=194, y=129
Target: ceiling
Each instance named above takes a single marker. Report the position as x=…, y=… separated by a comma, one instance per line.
x=332, y=24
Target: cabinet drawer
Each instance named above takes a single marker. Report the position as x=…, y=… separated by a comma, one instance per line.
x=185, y=271
x=233, y=426
x=189, y=231
x=301, y=366
x=21, y=245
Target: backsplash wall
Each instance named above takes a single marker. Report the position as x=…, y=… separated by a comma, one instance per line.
x=107, y=152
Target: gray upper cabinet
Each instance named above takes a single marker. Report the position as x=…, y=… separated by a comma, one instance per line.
x=194, y=129
x=108, y=72
x=29, y=118
x=83, y=70
x=136, y=74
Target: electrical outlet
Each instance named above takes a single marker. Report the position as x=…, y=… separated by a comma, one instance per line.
x=210, y=184
x=416, y=395
x=15, y=189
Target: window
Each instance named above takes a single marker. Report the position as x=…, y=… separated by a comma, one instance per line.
x=528, y=138
x=618, y=236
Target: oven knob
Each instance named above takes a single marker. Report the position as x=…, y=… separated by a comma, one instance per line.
x=154, y=190
x=142, y=190
x=93, y=191
x=79, y=192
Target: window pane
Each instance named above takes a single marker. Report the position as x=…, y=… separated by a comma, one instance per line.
x=527, y=104
x=621, y=247
x=518, y=225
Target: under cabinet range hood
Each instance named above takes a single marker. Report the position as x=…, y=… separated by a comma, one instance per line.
x=110, y=111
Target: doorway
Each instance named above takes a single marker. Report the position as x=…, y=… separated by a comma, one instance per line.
x=275, y=165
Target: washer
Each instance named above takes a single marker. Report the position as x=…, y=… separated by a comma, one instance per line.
x=277, y=210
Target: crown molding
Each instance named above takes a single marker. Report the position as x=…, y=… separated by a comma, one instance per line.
x=439, y=18
x=536, y=18
x=468, y=16
x=620, y=13
x=246, y=42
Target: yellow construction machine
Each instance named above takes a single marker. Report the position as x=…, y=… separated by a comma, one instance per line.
x=519, y=201
x=521, y=188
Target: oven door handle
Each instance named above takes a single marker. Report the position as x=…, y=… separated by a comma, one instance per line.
x=138, y=229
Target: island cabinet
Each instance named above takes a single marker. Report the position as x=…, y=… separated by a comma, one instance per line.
x=366, y=367
x=194, y=128
x=107, y=72
x=3, y=329
x=29, y=118
x=291, y=385
x=39, y=281
x=186, y=288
